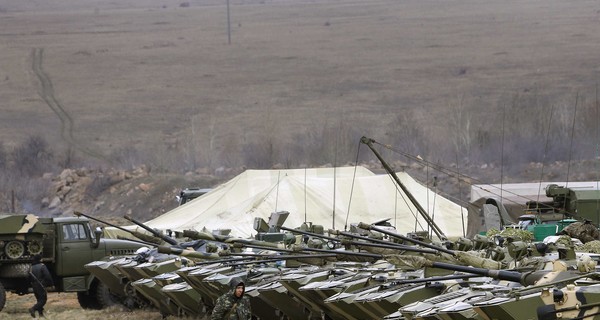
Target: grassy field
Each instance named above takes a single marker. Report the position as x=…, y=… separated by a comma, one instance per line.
x=64, y=306
x=160, y=78
x=157, y=82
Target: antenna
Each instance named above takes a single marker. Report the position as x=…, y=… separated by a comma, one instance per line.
x=502, y=154
x=544, y=157
x=304, y=194
x=352, y=188
x=571, y=144
x=277, y=191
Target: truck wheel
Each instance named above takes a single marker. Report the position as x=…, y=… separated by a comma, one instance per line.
x=2, y=296
x=87, y=301
x=97, y=297
x=103, y=296
x=15, y=270
x=14, y=249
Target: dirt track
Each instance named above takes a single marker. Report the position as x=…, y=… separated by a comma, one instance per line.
x=162, y=77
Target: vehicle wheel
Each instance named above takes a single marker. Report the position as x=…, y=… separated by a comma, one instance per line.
x=14, y=249
x=88, y=301
x=103, y=296
x=16, y=270
x=34, y=247
x=2, y=296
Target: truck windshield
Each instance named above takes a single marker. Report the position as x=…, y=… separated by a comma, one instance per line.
x=74, y=231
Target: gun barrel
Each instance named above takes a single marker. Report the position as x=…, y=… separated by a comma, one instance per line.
x=77, y=213
x=246, y=245
x=141, y=236
x=165, y=238
x=345, y=253
x=366, y=226
x=513, y=276
x=188, y=253
x=309, y=234
x=225, y=239
x=390, y=246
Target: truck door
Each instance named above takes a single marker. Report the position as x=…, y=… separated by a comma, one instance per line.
x=74, y=249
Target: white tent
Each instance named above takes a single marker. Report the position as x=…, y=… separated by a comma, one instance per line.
x=309, y=195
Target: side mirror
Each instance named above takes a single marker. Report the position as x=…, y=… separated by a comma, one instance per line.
x=98, y=234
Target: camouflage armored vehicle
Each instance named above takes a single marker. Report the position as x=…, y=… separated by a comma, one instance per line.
x=66, y=244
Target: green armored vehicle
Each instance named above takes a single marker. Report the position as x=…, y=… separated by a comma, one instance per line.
x=66, y=245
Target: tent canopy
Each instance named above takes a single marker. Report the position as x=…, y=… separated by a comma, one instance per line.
x=332, y=197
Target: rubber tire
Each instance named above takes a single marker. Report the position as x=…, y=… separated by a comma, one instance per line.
x=97, y=297
x=15, y=270
x=103, y=296
x=2, y=296
x=88, y=301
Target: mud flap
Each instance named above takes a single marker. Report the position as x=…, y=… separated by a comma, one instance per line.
x=74, y=284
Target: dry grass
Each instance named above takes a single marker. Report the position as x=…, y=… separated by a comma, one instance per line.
x=64, y=306
x=155, y=81
x=163, y=78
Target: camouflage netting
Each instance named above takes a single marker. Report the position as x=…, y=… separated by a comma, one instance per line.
x=407, y=262
x=564, y=241
x=474, y=260
x=590, y=247
x=582, y=230
x=516, y=234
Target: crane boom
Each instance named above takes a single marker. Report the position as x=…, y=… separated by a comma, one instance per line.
x=424, y=214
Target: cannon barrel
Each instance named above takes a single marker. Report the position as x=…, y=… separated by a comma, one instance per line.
x=155, y=233
x=434, y=279
x=299, y=257
x=312, y=234
x=246, y=245
x=376, y=243
x=345, y=253
x=188, y=253
x=355, y=236
x=334, y=253
x=389, y=246
x=524, y=278
x=139, y=235
x=366, y=226
x=228, y=260
x=496, y=274
x=290, y=255
x=225, y=239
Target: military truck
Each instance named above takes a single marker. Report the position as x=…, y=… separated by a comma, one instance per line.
x=66, y=244
x=546, y=218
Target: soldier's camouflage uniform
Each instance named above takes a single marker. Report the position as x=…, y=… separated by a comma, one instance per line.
x=230, y=307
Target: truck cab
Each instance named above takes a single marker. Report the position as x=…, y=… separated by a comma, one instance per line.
x=66, y=244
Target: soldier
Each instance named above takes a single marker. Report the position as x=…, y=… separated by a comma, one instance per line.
x=233, y=305
x=40, y=278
